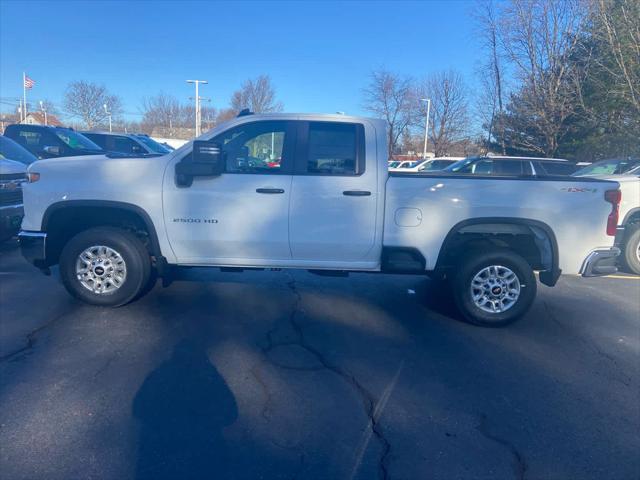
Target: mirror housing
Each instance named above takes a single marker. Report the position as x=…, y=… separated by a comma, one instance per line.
x=51, y=150
x=205, y=161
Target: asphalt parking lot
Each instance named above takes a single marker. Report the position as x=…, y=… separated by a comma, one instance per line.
x=291, y=375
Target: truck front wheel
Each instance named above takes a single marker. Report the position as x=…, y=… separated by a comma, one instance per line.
x=493, y=288
x=105, y=266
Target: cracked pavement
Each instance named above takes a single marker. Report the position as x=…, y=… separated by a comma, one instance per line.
x=290, y=375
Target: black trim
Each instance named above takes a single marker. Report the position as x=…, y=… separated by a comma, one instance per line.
x=153, y=236
x=548, y=277
x=356, y=193
x=391, y=265
x=269, y=190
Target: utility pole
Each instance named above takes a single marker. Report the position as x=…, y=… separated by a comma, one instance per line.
x=44, y=110
x=197, y=97
x=426, y=126
x=106, y=110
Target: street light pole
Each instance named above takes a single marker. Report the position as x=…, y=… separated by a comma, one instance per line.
x=426, y=126
x=106, y=110
x=198, y=118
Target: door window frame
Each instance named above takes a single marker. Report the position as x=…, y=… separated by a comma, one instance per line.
x=288, y=148
x=302, y=150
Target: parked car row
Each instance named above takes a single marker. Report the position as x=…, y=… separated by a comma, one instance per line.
x=53, y=142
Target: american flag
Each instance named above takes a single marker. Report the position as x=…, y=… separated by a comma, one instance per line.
x=29, y=82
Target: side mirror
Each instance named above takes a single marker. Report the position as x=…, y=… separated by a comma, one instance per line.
x=51, y=150
x=206, y=160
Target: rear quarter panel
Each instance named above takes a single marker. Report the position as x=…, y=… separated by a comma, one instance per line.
x=575, y=210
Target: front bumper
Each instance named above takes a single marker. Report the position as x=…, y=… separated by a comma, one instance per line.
x=34, y=247
x=10, y=218
x=600, y=262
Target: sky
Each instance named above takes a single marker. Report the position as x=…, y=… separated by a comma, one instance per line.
x=318, y=54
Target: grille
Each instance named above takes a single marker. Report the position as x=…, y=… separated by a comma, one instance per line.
x=13, y=197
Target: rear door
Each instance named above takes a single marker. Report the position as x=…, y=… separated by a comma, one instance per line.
x=334, y=195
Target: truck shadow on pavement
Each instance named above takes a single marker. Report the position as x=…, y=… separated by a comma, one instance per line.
x=182, y=407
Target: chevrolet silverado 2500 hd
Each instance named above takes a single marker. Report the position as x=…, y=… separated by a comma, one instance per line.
x=312, y=192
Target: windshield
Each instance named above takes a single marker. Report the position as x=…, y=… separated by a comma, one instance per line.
x=76, y=140
x=456, y=167
x=608, y=167
x=152, y=144
x=435, y=165
x=393, y=164
x=10, y=150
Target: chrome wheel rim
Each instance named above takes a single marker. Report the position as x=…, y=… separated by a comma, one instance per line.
x=101, y=269
x=495, y=289
x=638, y=252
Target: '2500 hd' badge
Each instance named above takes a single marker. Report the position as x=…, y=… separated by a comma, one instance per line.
x=195, y=220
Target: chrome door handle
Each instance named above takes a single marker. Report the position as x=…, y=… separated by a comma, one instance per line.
x=269, y=190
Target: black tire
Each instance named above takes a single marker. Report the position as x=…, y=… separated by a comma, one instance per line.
x=471, y=265
x=127, y=245
x=631, y=249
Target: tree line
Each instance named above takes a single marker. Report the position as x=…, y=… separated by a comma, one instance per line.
x=559, y=78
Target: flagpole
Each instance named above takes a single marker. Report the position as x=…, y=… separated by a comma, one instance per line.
x=24, y=93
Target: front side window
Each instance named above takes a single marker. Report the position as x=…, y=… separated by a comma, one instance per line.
x=254, y=147
x=332, y=149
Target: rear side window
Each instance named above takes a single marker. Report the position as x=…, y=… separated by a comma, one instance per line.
x=512, y=167
x=99, y=140
x=553, y=168
x=335, y=149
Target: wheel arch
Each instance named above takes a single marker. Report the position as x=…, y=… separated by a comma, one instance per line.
x=632, y=216
x=77, y=215
x=500, y=230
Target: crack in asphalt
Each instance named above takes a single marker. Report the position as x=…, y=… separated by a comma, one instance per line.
x=520, y=465
x=626, y=381
x=265, y=389
x=31, y=338
x=368, y=400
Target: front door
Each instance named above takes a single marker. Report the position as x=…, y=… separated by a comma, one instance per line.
x=242, y=216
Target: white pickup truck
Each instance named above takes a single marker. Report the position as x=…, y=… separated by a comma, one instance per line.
x=311, y=192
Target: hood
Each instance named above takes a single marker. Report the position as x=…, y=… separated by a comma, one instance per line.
x=9, y=167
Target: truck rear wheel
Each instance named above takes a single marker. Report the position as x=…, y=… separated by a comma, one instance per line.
x=631, y=250
x=493, y=288
x=105, y=266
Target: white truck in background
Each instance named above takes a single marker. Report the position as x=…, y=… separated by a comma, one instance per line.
x=312, y=192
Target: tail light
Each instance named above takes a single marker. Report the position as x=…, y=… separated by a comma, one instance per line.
x=32, y=177
x=613, y=197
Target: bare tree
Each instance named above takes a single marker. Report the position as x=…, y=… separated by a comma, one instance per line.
x=539, y=37
x=391, y=97
x=619, y=29
x=86, y=100
x=491, y=102
x=164, y=111
x=449, y=109
x=258, y=95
